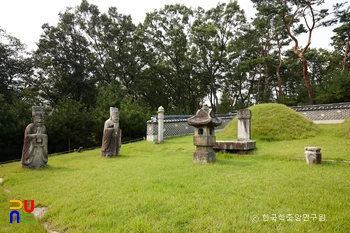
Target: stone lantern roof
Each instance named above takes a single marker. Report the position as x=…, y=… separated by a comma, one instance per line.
x=204, y=117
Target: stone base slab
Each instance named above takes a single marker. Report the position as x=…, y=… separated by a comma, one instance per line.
x=234, y=146
x=204, y=156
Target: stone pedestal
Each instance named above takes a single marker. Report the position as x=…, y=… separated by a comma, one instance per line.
x=204, y=135
x=313, y=155
x=234, y=146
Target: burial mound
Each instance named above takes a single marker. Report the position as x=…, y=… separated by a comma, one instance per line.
x=343, y=129
x=273, y=122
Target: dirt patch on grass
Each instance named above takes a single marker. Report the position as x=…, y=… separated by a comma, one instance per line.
x=40, y=211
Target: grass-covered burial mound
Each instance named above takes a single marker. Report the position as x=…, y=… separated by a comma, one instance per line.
x=343, y=129
x=273, y=122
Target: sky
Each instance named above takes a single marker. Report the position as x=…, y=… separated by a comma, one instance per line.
x=23, y=18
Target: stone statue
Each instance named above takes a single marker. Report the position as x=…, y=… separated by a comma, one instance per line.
x=111, y=141
x=34, y=154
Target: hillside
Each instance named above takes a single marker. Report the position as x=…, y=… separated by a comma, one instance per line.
x=343, y=129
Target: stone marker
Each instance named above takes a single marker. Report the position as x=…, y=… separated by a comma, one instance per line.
x=313, y=155
x=34, y=153
x=204, y=134
x=111, y=141
x=160, y=124
x=243, y=143
x=244, y=116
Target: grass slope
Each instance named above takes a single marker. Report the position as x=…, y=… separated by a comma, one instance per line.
x=273, y=122
x=343, y=129
x=158, y=188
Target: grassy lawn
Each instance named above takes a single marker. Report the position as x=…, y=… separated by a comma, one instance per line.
x=158, y=188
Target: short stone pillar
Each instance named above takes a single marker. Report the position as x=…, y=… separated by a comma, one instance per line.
x=34, y=153
x=204, y=134
x=160, y=124
x=313, y=155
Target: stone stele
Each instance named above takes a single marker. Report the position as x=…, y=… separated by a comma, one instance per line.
x=243, y=143
x=111, y=141
x=34, y=153
x=204, y=134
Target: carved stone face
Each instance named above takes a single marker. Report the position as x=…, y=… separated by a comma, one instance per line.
x=38, y=116
x=114, y=116
x=38, y=120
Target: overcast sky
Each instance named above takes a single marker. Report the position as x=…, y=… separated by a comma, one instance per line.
x=24, y=18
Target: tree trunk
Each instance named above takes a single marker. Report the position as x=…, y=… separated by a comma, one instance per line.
x=266, y=83
x=213, y=96
x=306, y=80
x=296, y=44
x=278, y=67
x=279, y=81
x=346, y=53
x=266, y=50
x=258, y=96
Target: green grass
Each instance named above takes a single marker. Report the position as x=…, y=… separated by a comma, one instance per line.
x=158, y=188
x=273, y=122
x=343, y=129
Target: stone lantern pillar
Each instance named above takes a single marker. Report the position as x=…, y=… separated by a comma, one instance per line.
x=160, y=124
x=204, y=134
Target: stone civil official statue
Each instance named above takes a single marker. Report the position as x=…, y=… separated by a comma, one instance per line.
x=111, y=141
x=34, y=154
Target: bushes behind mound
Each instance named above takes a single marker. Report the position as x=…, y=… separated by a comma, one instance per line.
x=343, y=129
x=273, y=122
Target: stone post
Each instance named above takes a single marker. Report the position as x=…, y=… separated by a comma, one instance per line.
x=313, y=155
x=160, y=124
x=244, y=116
x=152, y=130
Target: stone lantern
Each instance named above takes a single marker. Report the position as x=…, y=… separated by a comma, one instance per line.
x=204, y=134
